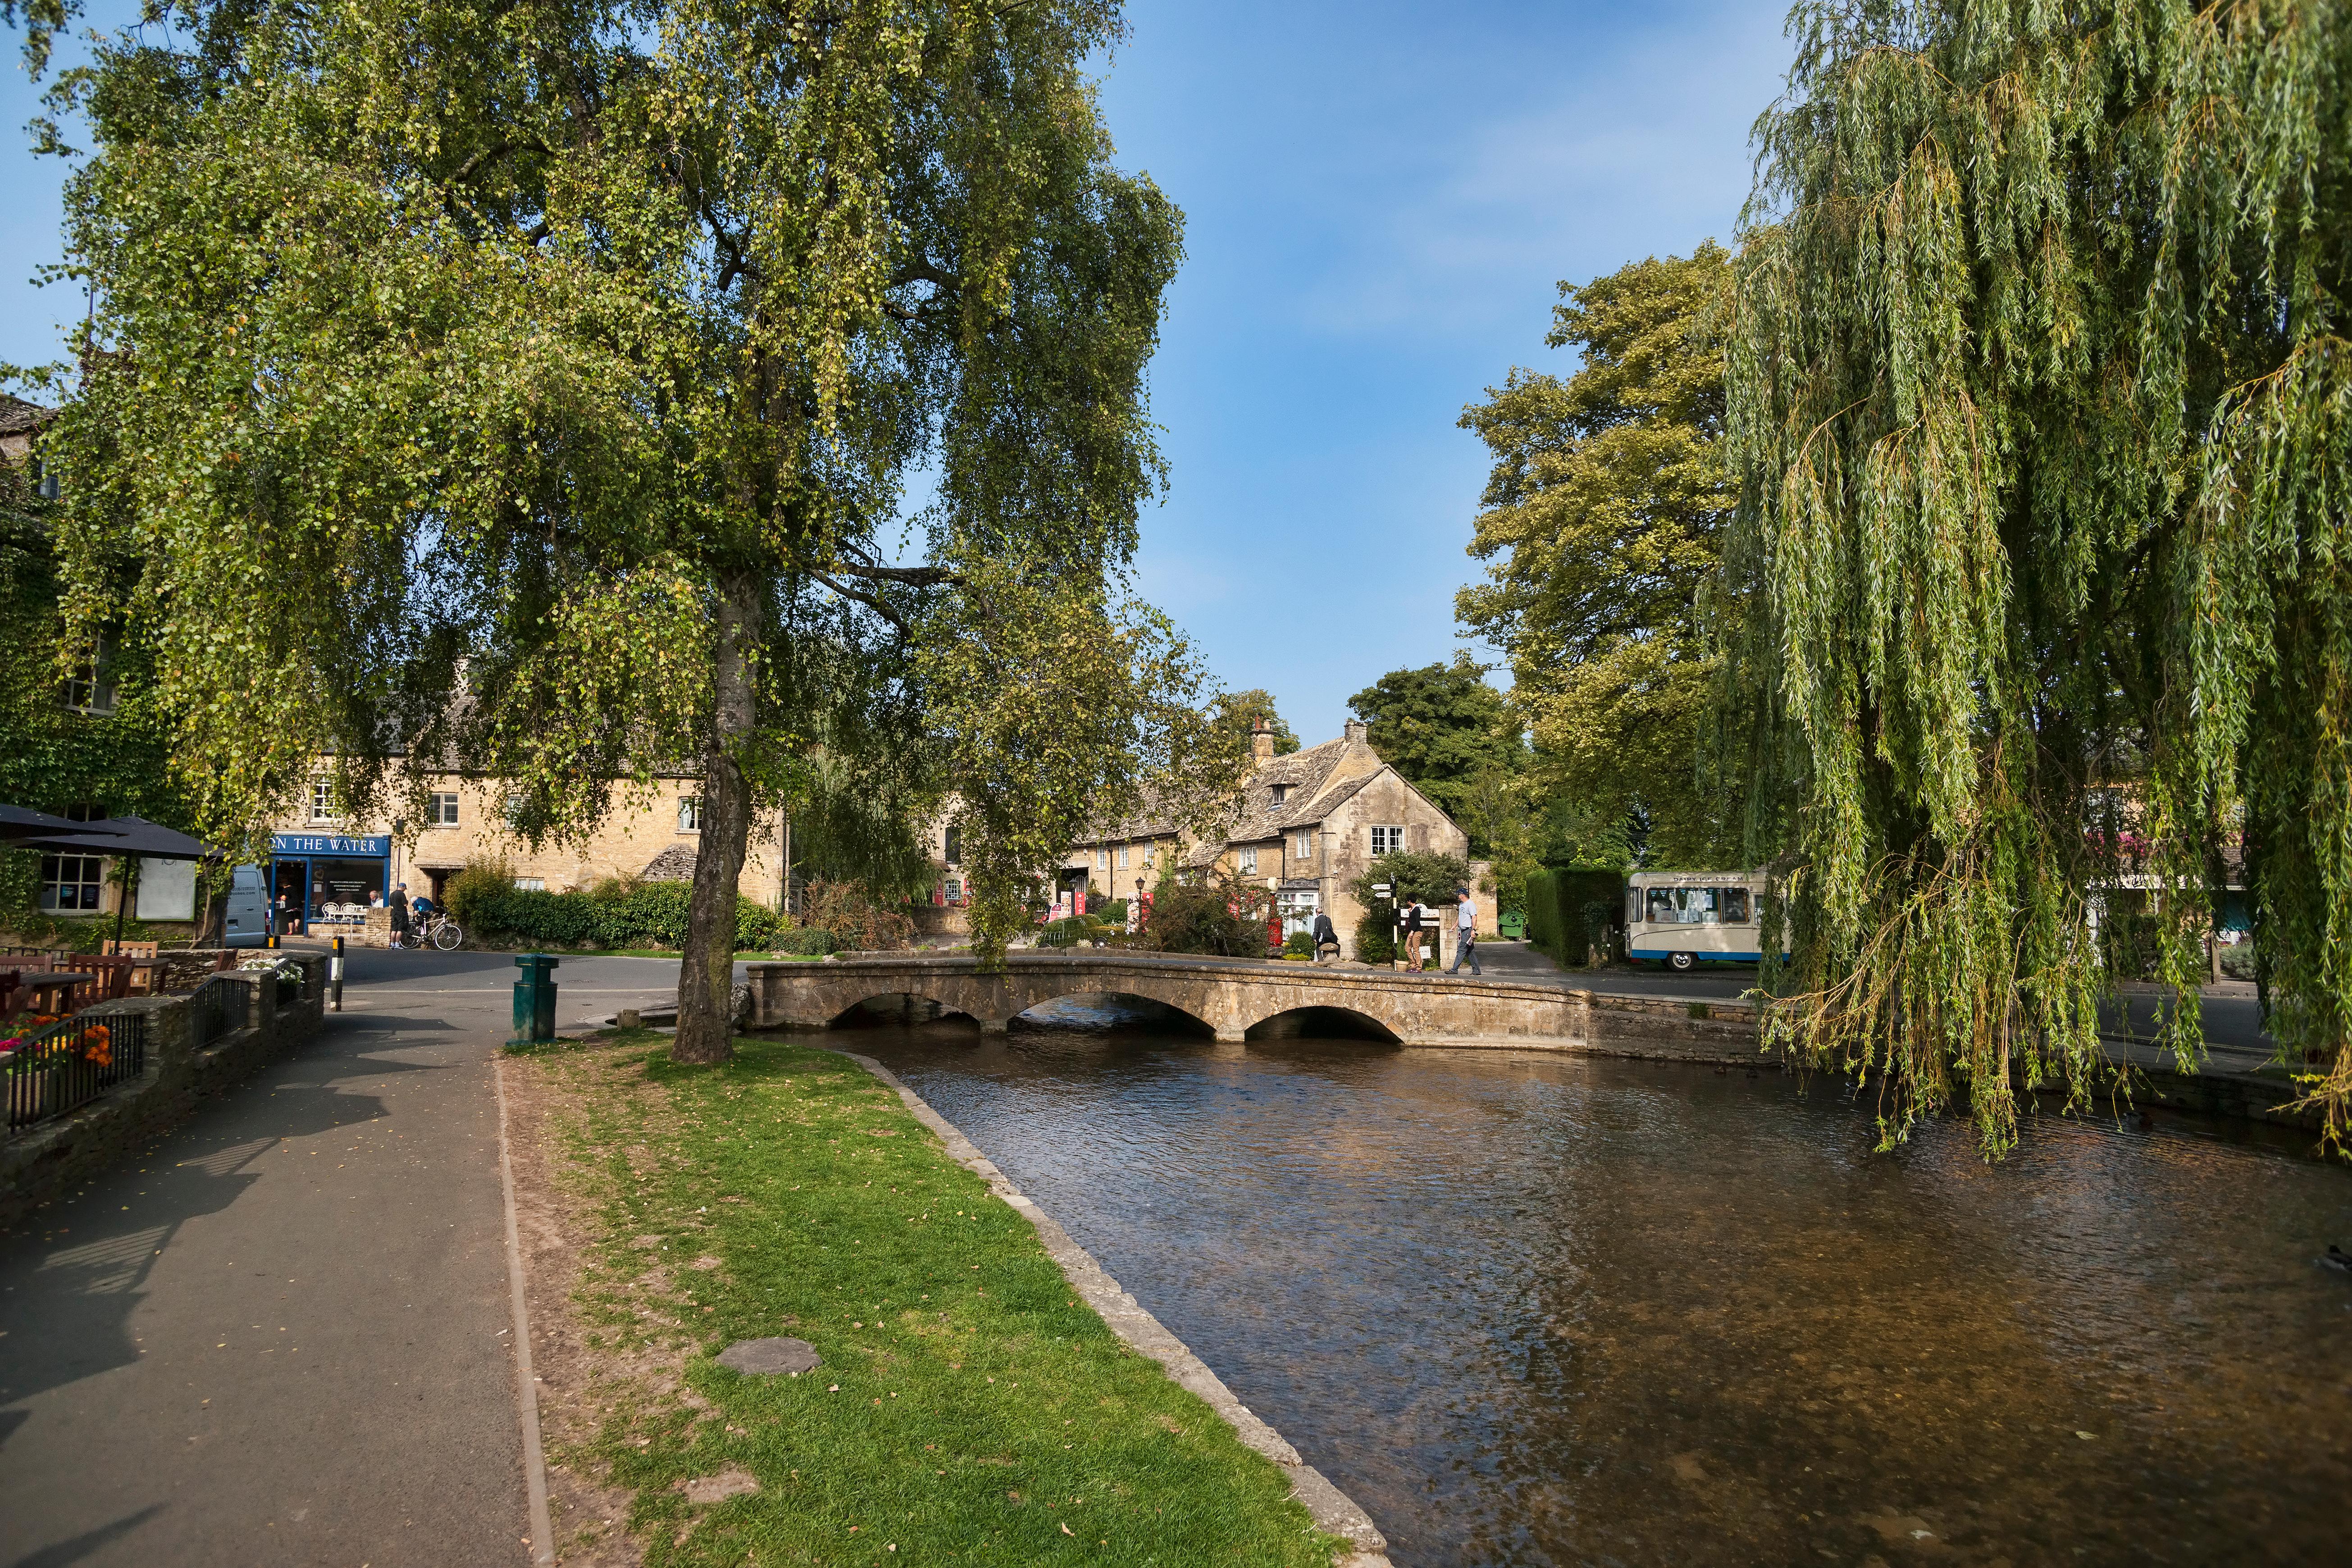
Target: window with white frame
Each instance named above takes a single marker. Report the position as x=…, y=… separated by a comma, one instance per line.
x=441, y=811
x=531, y=884
x=689, y=813
x=1302, y=846
x=1388, y=841
x=322, y=800
x=1102, y=859
x=1122, y=856
x=1248, y=859
x=90, y=688
x=70, y=883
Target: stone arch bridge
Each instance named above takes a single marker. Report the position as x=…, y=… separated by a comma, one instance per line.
x=1233, y=997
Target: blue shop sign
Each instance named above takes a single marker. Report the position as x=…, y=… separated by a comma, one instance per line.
x=329, y=844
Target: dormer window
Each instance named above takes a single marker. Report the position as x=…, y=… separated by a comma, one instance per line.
x=1281, y=793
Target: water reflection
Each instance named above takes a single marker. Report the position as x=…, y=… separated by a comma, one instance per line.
x=1546, y=1310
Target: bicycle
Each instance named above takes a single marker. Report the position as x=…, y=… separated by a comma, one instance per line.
x=440, y=930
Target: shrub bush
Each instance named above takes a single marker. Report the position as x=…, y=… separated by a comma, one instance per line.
x=1217, y=918
x=808, y=940
x=1070, y=931
x=618, y=912
x=1376, y=935
x=1299, y=941
x=858, y=924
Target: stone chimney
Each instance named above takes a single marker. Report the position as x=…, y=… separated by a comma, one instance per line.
x=1261, y=741
x=1356, y=730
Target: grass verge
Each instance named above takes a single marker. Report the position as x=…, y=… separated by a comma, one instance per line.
x=968, y=1407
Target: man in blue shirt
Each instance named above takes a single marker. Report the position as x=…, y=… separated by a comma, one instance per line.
x=1465, y=927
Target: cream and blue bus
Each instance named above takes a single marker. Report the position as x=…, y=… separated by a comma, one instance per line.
x=1685, y=918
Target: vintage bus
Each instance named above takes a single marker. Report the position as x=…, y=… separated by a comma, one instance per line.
x=1684, y=917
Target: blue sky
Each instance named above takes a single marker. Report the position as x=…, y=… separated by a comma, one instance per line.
x=1381, y=199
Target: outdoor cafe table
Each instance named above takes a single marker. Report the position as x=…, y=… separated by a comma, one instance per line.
x=56, y=985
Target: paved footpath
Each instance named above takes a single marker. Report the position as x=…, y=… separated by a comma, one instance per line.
x=283, y=1335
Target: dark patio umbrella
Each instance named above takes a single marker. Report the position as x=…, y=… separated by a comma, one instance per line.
x=21, y=827
x=128, y=836
x=108, y=835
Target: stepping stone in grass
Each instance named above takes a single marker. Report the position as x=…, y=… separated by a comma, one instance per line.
x=765, y=1357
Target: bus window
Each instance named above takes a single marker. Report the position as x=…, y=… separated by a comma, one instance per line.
x=1682, y=906
x=1633, y=906
x=1733, y=902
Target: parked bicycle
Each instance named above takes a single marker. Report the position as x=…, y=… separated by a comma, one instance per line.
x=439, y=929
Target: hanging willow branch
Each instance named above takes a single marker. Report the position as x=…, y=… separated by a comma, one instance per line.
x=2040, y=416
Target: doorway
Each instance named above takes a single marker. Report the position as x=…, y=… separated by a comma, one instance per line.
x=289, y=896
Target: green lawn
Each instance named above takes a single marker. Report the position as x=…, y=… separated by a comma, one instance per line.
x=968, y=1407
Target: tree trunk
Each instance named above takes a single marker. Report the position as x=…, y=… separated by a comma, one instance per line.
x=705, y=976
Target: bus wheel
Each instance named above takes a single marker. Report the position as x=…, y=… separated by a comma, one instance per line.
x=1681, y=960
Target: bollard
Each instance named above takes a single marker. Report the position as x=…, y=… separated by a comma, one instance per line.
x=534, y=998
x=335, y=976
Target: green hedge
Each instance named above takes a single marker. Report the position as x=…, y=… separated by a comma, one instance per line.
x=1544, y=928
x=648, y=914
x=1571, y=911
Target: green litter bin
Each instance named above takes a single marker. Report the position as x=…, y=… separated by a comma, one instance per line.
x=1511, y=925
x=534, y=998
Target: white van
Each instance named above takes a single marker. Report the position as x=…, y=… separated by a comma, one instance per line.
x=248, y=909
x=1683, y=918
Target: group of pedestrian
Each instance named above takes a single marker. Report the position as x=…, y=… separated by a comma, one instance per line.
x=1415, y=919
x=404, y=910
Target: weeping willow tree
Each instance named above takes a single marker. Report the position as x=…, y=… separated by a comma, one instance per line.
x=2040, y=404
x=533, y=388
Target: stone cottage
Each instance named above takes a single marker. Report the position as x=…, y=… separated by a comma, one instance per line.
x=1304, y=826
x=325, y=864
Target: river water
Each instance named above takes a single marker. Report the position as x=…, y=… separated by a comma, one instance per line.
x=1530, y=1309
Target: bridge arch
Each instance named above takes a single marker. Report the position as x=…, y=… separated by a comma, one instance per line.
x=1322, y=1022
x=885, y=1009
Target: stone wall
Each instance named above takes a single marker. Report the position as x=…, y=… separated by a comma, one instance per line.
x=44, y=1162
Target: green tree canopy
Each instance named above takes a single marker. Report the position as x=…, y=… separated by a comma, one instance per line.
x=534, y=386
x=85, y=733
x=2042, y=413
x=1441, y=727
x=1236, y=714
x=1604, y=515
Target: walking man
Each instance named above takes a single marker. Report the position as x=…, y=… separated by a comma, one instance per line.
x=1465, y=927
x=400, y=915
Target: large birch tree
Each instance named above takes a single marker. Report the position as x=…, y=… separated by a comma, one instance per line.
x=536, y=384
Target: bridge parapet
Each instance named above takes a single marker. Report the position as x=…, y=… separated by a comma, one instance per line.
x=1230, y=996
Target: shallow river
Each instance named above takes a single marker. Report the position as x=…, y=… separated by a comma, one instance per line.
x=1536, y=1309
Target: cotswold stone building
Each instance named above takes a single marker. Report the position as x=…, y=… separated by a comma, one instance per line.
x=1304, y=827
x=324, y=864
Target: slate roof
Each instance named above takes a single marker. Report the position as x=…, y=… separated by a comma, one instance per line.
x=675, y=864
x=1310, y=797
x=18, y=417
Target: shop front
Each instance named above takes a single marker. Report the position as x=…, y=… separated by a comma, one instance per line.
x=326, y=881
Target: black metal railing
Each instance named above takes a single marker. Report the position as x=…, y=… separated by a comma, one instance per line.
x=50, y=1070
x=217, y=1008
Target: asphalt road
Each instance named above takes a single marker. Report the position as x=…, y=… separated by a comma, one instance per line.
x=282, y=1335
